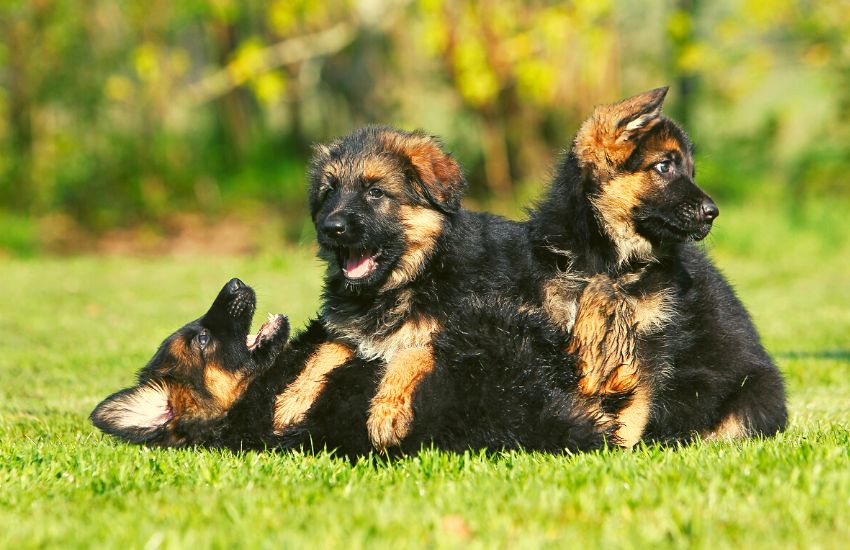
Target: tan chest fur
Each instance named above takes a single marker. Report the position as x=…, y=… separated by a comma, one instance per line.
x=399, y=329
x=610, y=325
x=412, y=334
x=650, y=312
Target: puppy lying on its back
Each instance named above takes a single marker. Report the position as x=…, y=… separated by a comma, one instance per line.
x=195, y=377
x=501, y=380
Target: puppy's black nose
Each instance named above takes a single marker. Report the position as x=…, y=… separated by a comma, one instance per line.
x=709, y=210
x=333, y=226
x=234, y=284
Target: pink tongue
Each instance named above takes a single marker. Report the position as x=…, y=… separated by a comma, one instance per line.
x=357, y=267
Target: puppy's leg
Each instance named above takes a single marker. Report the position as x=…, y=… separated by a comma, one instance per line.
x=604, y=341
x=391, y=412
x=603, y=337
x=292, y=404
x=634, y=416
x=756, y=408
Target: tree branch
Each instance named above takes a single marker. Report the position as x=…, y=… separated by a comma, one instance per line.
x=292, y=50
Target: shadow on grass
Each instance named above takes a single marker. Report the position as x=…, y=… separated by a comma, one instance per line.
x=832, y=354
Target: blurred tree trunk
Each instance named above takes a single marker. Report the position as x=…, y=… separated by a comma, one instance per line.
x=497, y=165
x=19, y=191
x=295, y=106
x=687, y=81
x=234, y=114
x=531, y=154
x=496, y=160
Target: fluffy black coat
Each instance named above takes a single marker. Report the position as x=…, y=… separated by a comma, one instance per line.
x=501, y=377
x=502, y=381
x=707, y=364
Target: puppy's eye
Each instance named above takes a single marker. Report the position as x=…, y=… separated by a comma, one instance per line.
x=203, y=338
x=375, y=193
x=330, y=184
x=663, y=167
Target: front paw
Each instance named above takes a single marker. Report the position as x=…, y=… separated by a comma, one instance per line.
x=388, y=423
x=267, y=344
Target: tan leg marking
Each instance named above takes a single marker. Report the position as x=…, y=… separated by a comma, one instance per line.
x=633, y=418
x=731, y=427
x=391, y=411
x=292, y=404
x=604, y=339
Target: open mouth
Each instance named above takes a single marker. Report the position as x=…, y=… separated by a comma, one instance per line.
x=268, y=331
x=358, y=264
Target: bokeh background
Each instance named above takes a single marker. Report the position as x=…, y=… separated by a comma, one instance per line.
x=144, y=125
x=150, y=150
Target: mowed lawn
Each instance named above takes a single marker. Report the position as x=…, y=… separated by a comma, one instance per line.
x=74, y=330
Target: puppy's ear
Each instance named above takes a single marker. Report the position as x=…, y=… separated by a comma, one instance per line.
x=638, y=113
x=136, y=414
x=441, y=177
x=321, y=151
x=608, y=137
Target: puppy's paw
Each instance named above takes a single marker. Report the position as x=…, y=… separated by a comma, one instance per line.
x=289, y=410
x=389, y=423
x=391, y=412
x=633, y=418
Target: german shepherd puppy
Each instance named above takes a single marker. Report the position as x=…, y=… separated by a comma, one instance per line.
x=499, y=382
x=656, y=320
x=401, y=256
x=184, y=393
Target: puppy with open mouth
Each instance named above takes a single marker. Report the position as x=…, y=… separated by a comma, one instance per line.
x=402, y=256
x=424, y=317
x=661, y=342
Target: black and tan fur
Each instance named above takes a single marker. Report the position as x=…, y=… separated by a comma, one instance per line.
x=498, y=382
x=655, y=318
x=185, y=392
x=406, y=327
x=447, y=333
x=394, y=196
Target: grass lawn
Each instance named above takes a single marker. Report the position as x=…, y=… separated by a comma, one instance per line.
x=74, y=330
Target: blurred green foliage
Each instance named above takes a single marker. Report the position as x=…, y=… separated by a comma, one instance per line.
x=115, y=114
